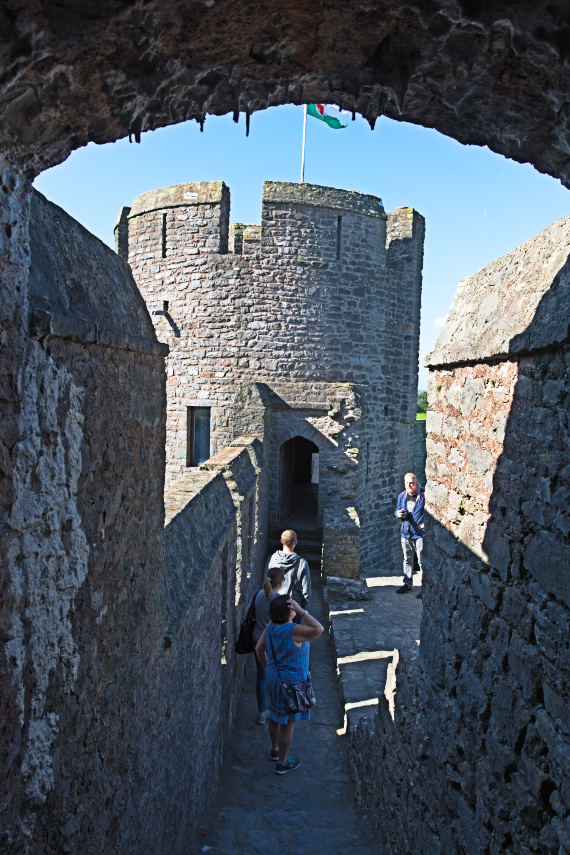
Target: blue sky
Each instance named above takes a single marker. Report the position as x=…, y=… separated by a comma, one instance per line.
x=478, y=205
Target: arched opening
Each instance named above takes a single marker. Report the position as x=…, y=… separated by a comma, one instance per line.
x=298, y=481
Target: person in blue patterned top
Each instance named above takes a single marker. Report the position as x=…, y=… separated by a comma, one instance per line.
x=283, y=649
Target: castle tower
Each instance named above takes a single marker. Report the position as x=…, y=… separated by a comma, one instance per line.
x=305, y=304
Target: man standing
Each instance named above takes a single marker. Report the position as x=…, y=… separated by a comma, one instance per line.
x=295, y=568
x=410, y=510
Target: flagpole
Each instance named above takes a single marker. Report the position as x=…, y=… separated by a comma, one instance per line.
x=303, y=154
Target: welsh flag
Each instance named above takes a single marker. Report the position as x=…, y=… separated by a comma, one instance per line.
x=324, y=113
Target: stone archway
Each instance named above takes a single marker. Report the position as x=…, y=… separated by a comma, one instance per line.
x=485, y=73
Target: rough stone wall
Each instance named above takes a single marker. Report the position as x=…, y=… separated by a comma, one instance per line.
x=419, y=451
x=307, y=309
x=46, y=539
x=18, y=421
x=215, y=541
x=477, y=757
x=390, y=400
x=70, y=474
x=113, y=626
x=341, y=542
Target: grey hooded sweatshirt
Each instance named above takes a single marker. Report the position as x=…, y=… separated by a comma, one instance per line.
x=301, y=592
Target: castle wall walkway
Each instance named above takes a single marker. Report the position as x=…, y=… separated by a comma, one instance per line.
x=311, y=811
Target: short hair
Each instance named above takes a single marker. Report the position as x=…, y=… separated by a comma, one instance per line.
x=279, y=610
x=288, y=537
x=410, y=475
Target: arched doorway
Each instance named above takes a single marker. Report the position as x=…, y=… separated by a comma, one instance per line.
x=298, y=480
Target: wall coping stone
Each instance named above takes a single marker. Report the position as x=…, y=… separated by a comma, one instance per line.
x=44, y=324
x=316, y=196
x=223, y=459
x=185, y=489
x=179, y=196
x=517, y=304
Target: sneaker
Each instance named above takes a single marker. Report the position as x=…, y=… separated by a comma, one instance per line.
x=274, y=754
x=283, y=768
x=405, y=589
x=262, y=717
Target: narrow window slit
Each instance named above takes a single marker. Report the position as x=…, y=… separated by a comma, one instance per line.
x=338, y=236
x=164, y=235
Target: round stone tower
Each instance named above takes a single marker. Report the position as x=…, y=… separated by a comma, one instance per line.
x=305, y=305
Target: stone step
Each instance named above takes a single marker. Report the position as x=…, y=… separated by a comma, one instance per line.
x=308, y=537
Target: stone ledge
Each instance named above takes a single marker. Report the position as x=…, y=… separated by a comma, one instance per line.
x=338, y=588
x=179, y=196
x=45, y=324
x=312, y=195
x=516, y=305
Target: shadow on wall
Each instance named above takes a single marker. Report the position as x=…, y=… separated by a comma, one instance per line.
x=477, y=758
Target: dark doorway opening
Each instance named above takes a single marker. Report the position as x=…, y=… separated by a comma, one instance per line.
x=298, y=481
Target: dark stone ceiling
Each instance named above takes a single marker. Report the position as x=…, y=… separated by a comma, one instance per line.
x=483, y=72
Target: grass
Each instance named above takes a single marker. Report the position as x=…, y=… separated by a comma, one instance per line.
x=421, y=417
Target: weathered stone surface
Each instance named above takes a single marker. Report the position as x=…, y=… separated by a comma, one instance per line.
x=106, y=642
x=548, y=559
x=493, y=74
x=70, y=271
x=518, y=303
x=494, y=656
x=341, y=542
x=323, y=309
x=338, y=588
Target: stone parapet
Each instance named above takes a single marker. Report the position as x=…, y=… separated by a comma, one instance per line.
x=45, y=324
x=73, y=274
x=322, y=197
x=516, y=304
x=180, y=196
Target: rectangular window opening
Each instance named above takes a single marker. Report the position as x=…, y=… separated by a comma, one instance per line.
x=338, y=236
x=164, y=235
x=198, y=435
x=165, y=306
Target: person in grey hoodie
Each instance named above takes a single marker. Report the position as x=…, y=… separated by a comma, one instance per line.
x=295, y=569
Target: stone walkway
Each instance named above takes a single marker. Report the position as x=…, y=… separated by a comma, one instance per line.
x=311, y=810
x=369, y=636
